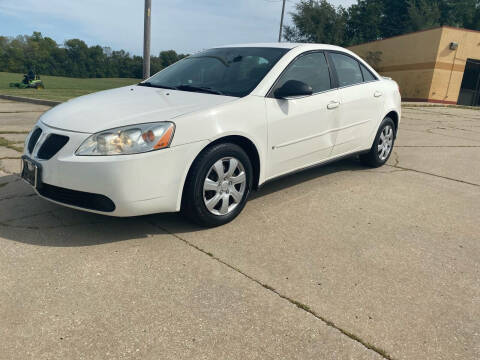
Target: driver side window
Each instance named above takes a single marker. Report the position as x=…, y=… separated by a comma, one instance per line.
x=312, y=69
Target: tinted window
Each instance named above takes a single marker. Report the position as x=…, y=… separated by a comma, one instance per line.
x=229, y=71
x=367, y=75
x=311, y=69
x=348, y=69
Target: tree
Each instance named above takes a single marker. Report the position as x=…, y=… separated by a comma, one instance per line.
x=96, y=61
x=423, y=14
x=364, y=21
x=368, y=20
x=460, y=13
x=394, y=18
x=168, y=57
x=77, y=54
x=317, y=21
x=75, y=58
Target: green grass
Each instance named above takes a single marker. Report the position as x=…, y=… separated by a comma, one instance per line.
x=60, y=88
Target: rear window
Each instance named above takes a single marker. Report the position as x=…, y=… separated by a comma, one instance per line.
x=348, y=69
x=367, y=75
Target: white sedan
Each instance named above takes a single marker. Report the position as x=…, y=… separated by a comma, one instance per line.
x=203, y=133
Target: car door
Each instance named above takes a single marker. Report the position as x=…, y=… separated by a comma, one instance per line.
x=361, y=103
x=300, y=129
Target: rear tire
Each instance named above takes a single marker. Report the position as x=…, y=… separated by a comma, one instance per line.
x=382, y=145
x=218, y=185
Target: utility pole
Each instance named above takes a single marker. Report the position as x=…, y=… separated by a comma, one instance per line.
x=146, y=39
x=281, y=22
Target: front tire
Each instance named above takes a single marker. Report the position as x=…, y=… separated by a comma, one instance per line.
x=217, y=185
x=382, y=145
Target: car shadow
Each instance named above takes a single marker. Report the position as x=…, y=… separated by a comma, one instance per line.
x=27, y=218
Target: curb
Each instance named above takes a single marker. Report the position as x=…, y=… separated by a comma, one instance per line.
x=431, y=105
x=30, y=100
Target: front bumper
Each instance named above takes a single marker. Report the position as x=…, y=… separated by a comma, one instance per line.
x=136, y=184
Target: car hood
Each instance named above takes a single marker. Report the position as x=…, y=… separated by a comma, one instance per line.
x=126, y=106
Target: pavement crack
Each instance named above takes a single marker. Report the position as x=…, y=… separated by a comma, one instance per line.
x=2, y=132
x=16, y=196
x=437, y=146
x=8, y=182
x=7, y=172
x=10, y=144
x=466, y=130
x=396, y=158
x=446, y=113
x=21, y=112
x=298, y=304
x=6, y=224
x=19, y=227
x=430, y=131
x=435, y=175
x=447, y=127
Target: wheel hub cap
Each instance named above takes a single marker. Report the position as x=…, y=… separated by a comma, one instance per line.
x=224, y=186
x=385, y=143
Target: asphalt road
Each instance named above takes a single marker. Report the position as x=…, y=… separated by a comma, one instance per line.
x=337, y=262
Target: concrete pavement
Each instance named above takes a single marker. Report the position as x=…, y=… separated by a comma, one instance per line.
x=337, y=262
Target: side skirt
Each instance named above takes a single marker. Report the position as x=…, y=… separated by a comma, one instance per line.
x=326, y=162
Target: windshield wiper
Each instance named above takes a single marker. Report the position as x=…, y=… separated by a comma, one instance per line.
x=149, y=84
x=198, y=89
x=184, y=87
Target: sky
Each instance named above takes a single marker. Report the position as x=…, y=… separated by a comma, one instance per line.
x=185, y=26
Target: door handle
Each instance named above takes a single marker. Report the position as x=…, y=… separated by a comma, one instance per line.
x=377, y=94
x=333, y=105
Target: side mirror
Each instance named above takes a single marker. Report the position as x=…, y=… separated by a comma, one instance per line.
x=293, y=88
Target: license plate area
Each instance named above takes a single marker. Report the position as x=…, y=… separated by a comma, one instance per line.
x=30, y=171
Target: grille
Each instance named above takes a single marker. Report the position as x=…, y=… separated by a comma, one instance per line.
x=77, y=198
x=51, y=146
x=33, y=139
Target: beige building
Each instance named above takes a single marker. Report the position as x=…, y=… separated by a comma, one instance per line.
x=439, y=65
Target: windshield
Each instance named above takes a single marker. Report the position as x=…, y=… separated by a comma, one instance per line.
x=222, y=71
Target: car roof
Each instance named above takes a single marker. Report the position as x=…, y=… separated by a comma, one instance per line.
x=287, y=45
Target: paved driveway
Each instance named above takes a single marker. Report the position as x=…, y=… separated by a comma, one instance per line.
x=338, y=262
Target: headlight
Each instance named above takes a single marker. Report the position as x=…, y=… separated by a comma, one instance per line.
x=131, y=139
